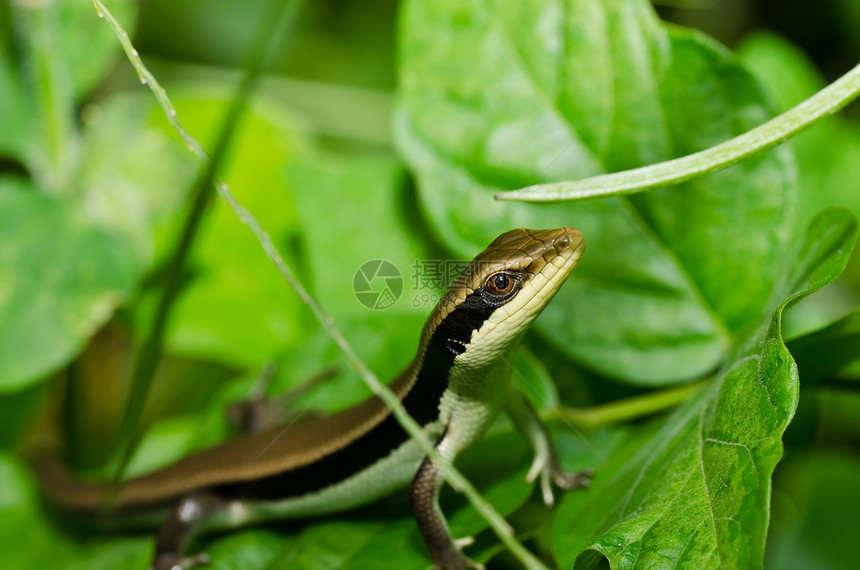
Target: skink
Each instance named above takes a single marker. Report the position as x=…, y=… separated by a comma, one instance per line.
x=454, y=387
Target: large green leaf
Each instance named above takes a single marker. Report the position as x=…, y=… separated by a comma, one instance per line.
x=499, y=95
x=697, y=493
x=60, y=279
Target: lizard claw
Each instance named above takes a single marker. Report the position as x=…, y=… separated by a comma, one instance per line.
x=546, y=466
x=467, y=562
x=462, y=543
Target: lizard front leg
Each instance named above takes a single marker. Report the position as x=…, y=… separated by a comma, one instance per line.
x=545, y=464
x=424, y=502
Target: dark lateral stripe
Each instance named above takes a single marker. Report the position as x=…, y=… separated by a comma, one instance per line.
x=422, y=403
x=455, y=331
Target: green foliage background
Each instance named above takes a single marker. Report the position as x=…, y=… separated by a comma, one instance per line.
x=382, y=131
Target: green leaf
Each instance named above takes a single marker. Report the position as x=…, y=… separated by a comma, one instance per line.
x=14, y=116
x=88, y=42
x=556, y=90
x=828, y=155
x=533, y=380
x=386, y=543
x=697, y=493
x=355, y=212
x=828, y=158
x=60, y=279
x=123, y=192
x=24, y=533
x=31, y=541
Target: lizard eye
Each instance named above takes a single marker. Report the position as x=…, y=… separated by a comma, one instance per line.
x=500, y=283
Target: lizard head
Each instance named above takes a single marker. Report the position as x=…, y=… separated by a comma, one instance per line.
x=503, y=290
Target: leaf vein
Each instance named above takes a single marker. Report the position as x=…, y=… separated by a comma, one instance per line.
x=707, y=490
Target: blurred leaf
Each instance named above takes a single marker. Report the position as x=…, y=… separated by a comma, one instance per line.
x=354, y=211
x=816, y=500
x=125, y=191
x=828, y=155
x=31, y=542
x=387, y=543
x=697, y=493
x=24, y=534
x=60, y=279
x=532, y=378
x=789, y=75
x=202, y=30
x=16, y=411
x=345, y=43
x=237, y=309
x=89, y=44
x=14, y=116
x=828, y=159
x=835, y=411
x=557, y=90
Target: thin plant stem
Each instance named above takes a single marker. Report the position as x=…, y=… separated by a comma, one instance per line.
x=454, y=478
x=628, y=409
x=753, y=142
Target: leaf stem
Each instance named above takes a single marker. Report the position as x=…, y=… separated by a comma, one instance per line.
x=629, y=408
x=50, y=84
x=448, y=471
x=755, y=141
